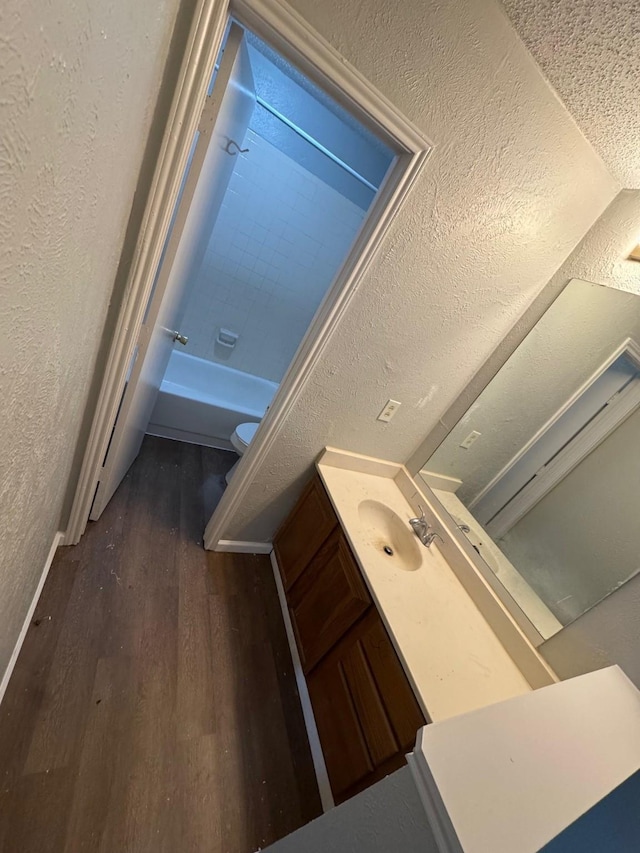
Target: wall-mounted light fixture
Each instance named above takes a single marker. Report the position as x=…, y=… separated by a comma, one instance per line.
x=635, y=254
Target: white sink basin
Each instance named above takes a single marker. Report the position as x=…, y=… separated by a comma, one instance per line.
x=384, y=530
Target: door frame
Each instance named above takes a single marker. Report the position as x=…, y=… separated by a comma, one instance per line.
x=623, y=404
x=627, y=347
x=285, y=30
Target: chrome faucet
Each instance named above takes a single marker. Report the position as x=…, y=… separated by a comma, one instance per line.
x=428, y=540
x=420, y=527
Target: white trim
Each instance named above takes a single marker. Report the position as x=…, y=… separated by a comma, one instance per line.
x=203, y=45
x=628, y=346
x=322, y=777
x=58, y=540
x=444, y=834
x=442, y=482
x=236, y=546
x=624, y=404
x=357, y=462
x=293, y=36
x=290, y=34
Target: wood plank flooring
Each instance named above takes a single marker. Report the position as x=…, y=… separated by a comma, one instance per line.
x=153, y=706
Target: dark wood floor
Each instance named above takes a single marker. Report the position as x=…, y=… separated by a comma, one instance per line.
x=153, y=706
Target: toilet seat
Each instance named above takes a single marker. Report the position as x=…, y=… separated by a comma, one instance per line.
x=242, y=436
x=240, y=440
x=245, y=433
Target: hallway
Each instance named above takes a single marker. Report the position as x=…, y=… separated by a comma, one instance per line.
x=153, y=706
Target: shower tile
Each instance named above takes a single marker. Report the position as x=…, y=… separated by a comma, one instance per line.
x=276, y=245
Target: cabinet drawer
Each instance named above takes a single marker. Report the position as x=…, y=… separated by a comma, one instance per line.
x=327, y=600
x=365, y=710
x=310, y=523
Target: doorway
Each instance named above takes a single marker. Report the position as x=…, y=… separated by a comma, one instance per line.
x=263, y=34
x=304, y=175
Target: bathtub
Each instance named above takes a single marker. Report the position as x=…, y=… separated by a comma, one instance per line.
x=202, y=402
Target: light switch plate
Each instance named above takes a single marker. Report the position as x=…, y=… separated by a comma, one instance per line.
x=390, y=408
x=469, y=440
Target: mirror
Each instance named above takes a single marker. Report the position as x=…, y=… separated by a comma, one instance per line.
x=542, y=473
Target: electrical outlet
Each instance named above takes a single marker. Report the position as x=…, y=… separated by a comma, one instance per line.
x=390, y=408
x=473, y=436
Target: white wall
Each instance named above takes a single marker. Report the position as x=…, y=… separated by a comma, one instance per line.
x=511, y=188
x=78, y=84
x=386, y=817
x=514, y=775
x=583, y=539
x=275, y=248
x=608, y=633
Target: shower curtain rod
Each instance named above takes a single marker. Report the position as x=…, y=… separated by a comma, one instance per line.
x=315, y=143
x=320, y=147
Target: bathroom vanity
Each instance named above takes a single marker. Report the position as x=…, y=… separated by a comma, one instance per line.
x=388, y=634
x=365, y=708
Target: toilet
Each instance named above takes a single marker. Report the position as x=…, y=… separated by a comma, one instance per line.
x=241, y=438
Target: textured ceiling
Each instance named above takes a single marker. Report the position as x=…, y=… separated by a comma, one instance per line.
x=590, y=53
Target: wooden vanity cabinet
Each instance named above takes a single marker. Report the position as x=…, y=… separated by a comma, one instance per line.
x=328, y=598
x=365, y=709
x=304, y=531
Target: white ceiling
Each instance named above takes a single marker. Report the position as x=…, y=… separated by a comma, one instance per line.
x=590, y=52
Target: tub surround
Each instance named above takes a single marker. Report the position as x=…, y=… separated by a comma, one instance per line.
x=202, y=402
x=450, y=652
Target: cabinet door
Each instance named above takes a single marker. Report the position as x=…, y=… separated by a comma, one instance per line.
x=328, y=599
x=310, y=523
x=365, y=710
x=401, y=706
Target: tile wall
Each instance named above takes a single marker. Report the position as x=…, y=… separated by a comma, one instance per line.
x=277, y=244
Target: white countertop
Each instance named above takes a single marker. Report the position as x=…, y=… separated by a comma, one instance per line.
x=513, y=776
x=531, y=604
x=450, y=654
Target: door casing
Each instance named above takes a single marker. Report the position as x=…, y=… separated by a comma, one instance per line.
x=288, y=33
x=226, y=113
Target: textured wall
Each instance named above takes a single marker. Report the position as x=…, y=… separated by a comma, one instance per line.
x=589, y=52
x=78, y=83
x=386, y=817
x=510, y=189
x=276, y=246
x=609, y=632
x=600, y=257
x=602, y=254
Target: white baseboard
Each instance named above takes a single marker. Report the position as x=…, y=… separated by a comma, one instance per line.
x=322, y=777
x=235, y=546
x=58, y=539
